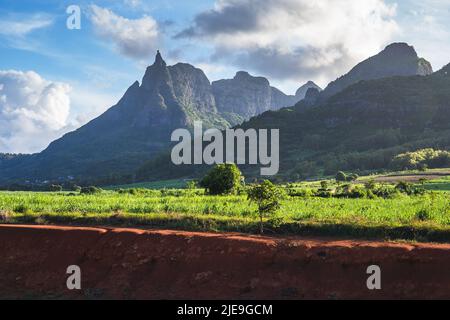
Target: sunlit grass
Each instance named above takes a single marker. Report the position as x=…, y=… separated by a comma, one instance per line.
x=420, y=216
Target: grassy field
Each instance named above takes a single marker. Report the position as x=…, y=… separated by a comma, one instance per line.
x=169, y=184
x=442, y=184
x=421, y=218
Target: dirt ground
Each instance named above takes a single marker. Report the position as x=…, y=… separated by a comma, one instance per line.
x=413, y=178
x=157, y=264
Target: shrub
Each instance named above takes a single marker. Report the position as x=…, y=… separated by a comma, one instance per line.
x=352, y=177
x=90, y=190
x=370, y=185
x=423, y=215
x=385, y=192
x=324, y=185
x=409, y=189
x=21, y=208
x=301, y=193
x=353, y=192
x=55, y=188
x=323, y=194
x=357, y=193
x=222, y=179
x=192, y=185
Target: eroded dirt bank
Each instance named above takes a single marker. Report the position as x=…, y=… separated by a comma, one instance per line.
x=138, y=264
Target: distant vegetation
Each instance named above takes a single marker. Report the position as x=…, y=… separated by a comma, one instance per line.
x=422, y=159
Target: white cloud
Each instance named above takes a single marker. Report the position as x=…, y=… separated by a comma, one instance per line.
x=296, y=39
x=136, y=38
x=33, y=111
x=24, y=25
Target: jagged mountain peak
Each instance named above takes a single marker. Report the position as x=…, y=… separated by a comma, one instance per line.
x=159, y=61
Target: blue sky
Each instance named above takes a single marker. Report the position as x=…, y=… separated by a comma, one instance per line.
x=288, y=41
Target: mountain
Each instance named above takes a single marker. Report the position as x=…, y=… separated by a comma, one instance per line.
x=397, y=59
x=351, y=125
x=135, y=129
x=139, y=126
x=246, y=96
x=301, y=92
x=360, y=129
x=364, y=126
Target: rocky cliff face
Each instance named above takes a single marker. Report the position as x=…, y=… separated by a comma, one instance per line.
x=397, y=59
x=248, y=96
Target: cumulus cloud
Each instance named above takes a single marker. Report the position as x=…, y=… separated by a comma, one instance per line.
x=295, y=38
x=33, y=111
x=136, y=38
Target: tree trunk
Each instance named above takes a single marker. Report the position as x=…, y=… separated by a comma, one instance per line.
x=261, y=226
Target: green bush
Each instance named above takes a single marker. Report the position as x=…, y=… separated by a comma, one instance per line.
x=423, y=215
x=21, y=208
x=90, y=190
x=55, y=188
x=385, y=192
x=222, y=179
x=409, y=189
x=352, y=192
x=323, y=194
x=301, y=193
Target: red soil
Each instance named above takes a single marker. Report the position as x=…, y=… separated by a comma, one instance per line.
x=140, y=264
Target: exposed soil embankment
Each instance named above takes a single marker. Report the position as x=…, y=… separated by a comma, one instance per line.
x=139, y=264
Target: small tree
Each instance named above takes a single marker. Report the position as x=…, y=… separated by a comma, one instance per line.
x=267, y=196
x=222, y=179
